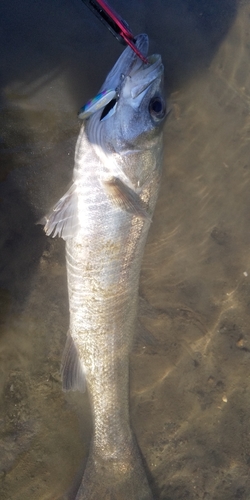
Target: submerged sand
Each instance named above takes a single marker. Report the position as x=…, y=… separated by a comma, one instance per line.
x=190, y=367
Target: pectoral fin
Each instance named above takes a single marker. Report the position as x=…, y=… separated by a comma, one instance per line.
x=125, y=198
x=63, y=218
x=73, y=377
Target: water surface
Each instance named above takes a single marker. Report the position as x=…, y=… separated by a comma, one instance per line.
x=190, y=378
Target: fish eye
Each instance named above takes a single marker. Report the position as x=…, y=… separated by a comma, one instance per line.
x=157, y=108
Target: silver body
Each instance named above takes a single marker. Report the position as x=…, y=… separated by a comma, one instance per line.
x=105, y=218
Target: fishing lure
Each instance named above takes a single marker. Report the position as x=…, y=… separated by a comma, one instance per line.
x=98, y=102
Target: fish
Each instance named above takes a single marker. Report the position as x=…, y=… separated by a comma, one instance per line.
x=104, y=217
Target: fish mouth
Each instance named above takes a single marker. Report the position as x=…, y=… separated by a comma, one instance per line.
x=143, y=77
x=130, y=74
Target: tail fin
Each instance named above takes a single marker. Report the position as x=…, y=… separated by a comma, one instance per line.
x=107, y=479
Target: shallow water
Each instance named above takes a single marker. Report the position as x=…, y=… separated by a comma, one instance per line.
x=190, y=389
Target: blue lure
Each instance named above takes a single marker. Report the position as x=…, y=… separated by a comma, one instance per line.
x=98, y=102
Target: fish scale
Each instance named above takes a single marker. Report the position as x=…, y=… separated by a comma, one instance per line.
x=104, y=218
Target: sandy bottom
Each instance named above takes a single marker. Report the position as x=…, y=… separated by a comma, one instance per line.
x=190, y=385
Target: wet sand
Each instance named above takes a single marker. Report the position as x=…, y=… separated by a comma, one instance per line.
x=190, y=375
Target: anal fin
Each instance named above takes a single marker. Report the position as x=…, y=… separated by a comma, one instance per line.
x=73, y=377
x=125, y=198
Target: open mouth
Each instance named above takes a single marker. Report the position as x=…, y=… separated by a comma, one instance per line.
x=146, y=74
x=141, y=76
x=128, y=66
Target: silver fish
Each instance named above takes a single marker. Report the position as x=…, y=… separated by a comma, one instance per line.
x=104, y=218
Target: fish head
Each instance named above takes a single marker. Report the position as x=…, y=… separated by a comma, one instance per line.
x=135, y=115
